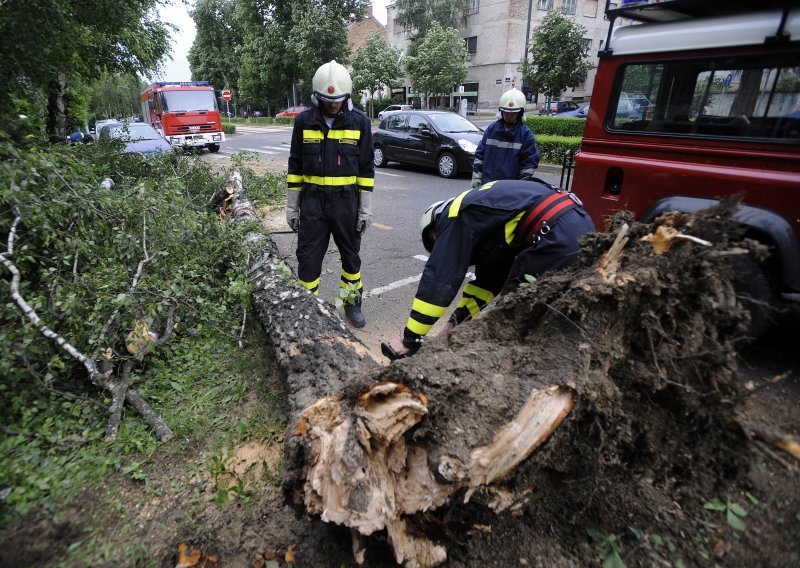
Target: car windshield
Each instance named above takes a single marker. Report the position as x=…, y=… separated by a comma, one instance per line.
x=177, y=101
x=130, y=132
x=450, y=122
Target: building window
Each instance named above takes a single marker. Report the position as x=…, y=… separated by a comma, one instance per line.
x=545, y=5
x=590, y=9
x=569, y=6
x=475, y=5
x=472, y=44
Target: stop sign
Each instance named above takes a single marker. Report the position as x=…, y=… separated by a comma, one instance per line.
x=226, y=95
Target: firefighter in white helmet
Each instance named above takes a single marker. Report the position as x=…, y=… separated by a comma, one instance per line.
x=330, y=181
x=508, y=147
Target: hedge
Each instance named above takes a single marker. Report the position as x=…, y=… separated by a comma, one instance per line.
x=552, y=148
x=228, y=128
x=556, y=126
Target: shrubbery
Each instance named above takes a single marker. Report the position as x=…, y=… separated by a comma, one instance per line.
x=552, y=148
x=77, y=246
x=556, y=126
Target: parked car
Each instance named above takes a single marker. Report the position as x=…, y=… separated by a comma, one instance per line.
x=292, y=111
x=100, y=123
x=441, y=139
x=393, y=108
x=557, y=107
x=138, y=137
x=580, y=112
x=634, y=107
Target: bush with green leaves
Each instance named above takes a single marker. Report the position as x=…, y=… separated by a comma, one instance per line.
x=79, y=244
x=556, y=126
x=552, y=148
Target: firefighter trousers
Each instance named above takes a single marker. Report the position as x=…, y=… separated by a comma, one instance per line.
x=325, y=212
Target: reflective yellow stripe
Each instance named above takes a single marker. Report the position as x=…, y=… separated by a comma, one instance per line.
x=310, y=285
x=511, y=226
x=457, y=204
x=343, y=284
x=330, y=180
x=339, y=134
x=418, y=328
x=471, y=305
x=315, y=134
x=480, y=293
x=365, y=182
x=427, y=309
x=295, y=189
x=294, y=178
x=356, y=276
x=488, y=185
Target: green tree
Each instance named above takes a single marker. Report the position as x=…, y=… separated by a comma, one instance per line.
x=215, y=53
x=376, y=65
x=558, y=56
x=48, y=43
x=116, y=95
x=417, y=16
x=439, y=61
x=285, y=42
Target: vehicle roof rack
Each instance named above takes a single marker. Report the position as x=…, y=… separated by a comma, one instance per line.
x=657, y=11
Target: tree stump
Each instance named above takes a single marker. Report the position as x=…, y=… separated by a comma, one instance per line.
x=570, y=374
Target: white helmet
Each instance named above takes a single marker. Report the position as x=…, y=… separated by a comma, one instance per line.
x=512, y=101
x=428, y=219
x=331, y=83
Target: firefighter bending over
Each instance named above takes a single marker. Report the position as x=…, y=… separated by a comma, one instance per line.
x=330, y=181
x=507, y=229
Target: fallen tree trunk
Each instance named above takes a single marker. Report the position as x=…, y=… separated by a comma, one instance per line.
x=597, y=361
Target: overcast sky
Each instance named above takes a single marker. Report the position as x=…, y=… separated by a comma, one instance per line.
x=177, y=13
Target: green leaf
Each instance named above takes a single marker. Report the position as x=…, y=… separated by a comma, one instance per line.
x=715, y=505
x=613, y=560
x=222, y=498
x=752, y=498
x=735, y=522
x=737, y=509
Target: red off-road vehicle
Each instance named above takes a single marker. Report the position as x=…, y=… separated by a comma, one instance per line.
x=722, y=85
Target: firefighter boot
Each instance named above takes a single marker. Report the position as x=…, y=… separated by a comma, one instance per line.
x=354, y=314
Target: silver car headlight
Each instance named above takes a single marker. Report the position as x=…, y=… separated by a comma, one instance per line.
x=468, y=146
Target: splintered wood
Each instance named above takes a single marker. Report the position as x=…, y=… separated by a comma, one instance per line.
x=363, y=473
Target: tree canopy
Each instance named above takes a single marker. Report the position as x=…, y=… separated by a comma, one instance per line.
x=439, y=61
x=376, y=65
x=215, y=53
x=285, y=42
x=558, y=56
x=417, y=16
x=48, y=43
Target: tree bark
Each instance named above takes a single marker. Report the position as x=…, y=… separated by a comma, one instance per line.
x=486, y=413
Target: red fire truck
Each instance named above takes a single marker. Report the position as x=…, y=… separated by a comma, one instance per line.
x=186, y=113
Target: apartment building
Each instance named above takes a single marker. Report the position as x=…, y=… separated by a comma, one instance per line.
x=496, y=35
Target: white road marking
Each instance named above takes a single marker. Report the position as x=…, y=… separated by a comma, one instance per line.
x=388, y=174
x=379, y=226
x=421, y=257
x=278, y=148
x=259, y=150
x=397, y=284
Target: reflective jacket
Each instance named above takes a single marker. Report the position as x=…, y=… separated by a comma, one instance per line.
x=331, y=158
x=506, y=154
x=488, y=227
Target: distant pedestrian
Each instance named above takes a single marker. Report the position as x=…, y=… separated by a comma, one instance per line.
x=508, y=148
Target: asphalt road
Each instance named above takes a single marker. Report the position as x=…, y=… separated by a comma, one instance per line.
x=392, y=253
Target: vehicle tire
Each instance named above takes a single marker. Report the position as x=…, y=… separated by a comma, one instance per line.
x=752, y=288
x=447, y=165
x=379, y=158
x=213, y=148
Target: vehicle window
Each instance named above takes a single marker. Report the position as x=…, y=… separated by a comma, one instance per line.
x=730, y=97
x=396, y=121
x=176, y=101
x=135, y=132
x=415, y=121
x=451, y=122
